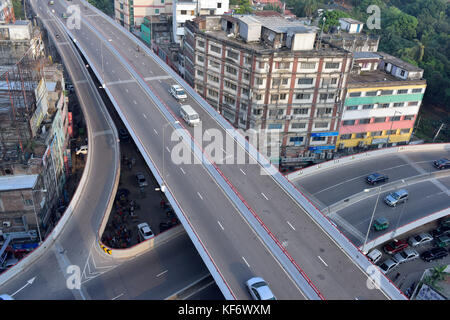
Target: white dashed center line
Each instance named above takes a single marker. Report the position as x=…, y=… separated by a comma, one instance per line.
x=220, y=225
x=322, y=261
x=264, y=196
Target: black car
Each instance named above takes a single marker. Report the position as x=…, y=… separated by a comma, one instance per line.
x=443, y=163
x=376, y=178
x=443, y=230
x=434, y=254
x=123, y=135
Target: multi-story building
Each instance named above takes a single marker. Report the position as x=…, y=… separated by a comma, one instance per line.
x=186, y=10
x=6, y=12
x=130, y=13
x=270, y=73
x=381, y=103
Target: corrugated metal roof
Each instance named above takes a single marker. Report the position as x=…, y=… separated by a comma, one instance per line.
x=18, y=182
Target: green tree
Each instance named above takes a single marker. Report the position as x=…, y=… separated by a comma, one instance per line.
x=18, y=9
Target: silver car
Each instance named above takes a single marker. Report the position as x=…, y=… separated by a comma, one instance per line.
x=259, y=290
x=406, y=255
x=396, y=197
x=388, y=265
x=419, y=239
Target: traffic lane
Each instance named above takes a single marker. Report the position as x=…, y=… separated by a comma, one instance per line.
x=49, y=282
x=154, y=275
x=349, y=180
x=424, y=198
x=331, y=271
x=200, y=182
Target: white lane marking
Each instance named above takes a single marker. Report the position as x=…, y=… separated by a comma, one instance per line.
x=243, y=172
x=126, y=90
x=168, y=150
x=144, y=115
x=246, y=262
x=264, y=196
x=113, y=71
x=290, y=225
x=182, y=170
x=220, y=225
x=118, y=296
x=160, y=274
x=322, y=261
x=199, y=195
x=155, y=131
x=134, y=101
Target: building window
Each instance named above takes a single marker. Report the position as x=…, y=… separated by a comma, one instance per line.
x=322, y=111
x=219, y=5
x=417, y=90
x=345, y=136
x=28, y=202
x=355, y=94
x=245, y=91
x=361, y=135
x=321, y=125
x=262, y=64
x=275, y=126
x=305, y=81
x=367, y=106
x=285, y=81
x=298, y=125
x=216, y=49
x=399, y=104
x=200, y=43
x=376, y=133
x=200, y=73
x=259, y=81
x=402, y=91
x=301, y=110
x=405, y=131
x=386, y=92
x=383, y=106
x=371, y=93
x=258, y=97
x=379, y=120
x=402, y=73
x=328, y=81
x=396, y=118
x=413, y=103
x=409, y=117
x=230, y=85
x=183, y=12
x=391, y=132
x=213, y=78
x=296, y=139
x=274, y=97
x=213, y=93
x=246, y=76
x=257, y=112
x=232, y=55
x=351, y=108
x=230, y=101
x=302, y=96
x=200, y=59
x=247, y=60
x=364, y=121
x=307, y=65
x=214, y=64
x=276, y=82
x=332, y=65
x=348, y=122
x=156, y=11
x=243, y=106
x=318, y=138
x=231, y=70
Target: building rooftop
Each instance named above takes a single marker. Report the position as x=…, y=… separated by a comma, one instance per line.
x=350, y=20
x=18, y=182
x=376, y=78
x=366, y=55
x=398, y=62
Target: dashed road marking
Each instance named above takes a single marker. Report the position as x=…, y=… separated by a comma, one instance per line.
x=243, y=172
x=246, y=262
x=290, y=225
x=199, y=195
x=322, y=261
x=160, y=274
x=264, y=196
x=220, y=225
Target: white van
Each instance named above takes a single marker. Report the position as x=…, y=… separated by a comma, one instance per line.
x=189, y=115
x=374, y=255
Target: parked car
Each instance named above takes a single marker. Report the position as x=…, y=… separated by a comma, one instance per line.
x=441, y=231
x=145, y=232
x=375, y=178
x=380, y=224
x=374, y=255
x=395, y=246
x=388, y=265
x=419, y=239
x=82, y=150
x=396, y=197
x=142, y=182
x=259, y=289
x=123, y=134
x=442, y=163
x=406, y=255
x=178, y=93
x=434, y=254
x=442, y=241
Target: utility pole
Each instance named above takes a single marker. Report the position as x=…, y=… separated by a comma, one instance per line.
x=437, y=133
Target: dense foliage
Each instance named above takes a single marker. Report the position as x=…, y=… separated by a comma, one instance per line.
x=107, y=6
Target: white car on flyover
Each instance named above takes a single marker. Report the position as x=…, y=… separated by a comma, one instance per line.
x=178, y=93
x=259, y=289
x=145, y=232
